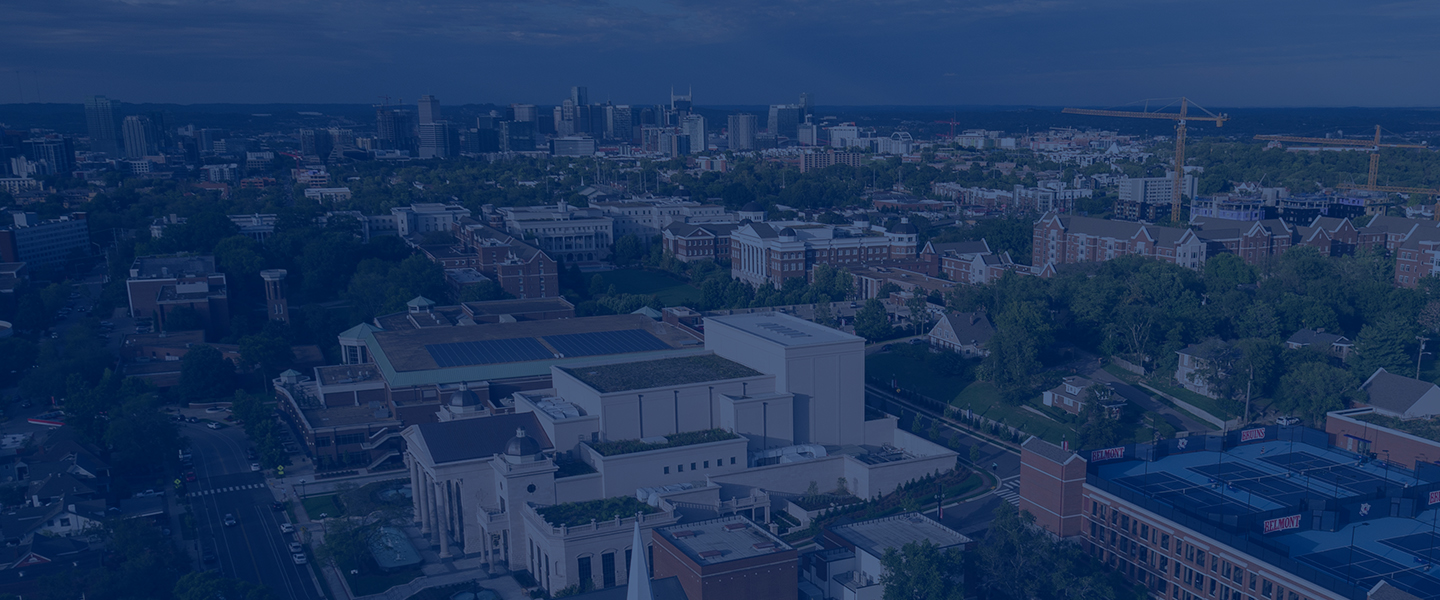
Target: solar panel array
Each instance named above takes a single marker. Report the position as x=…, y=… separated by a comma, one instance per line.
x=605, y=342
x=487, y=352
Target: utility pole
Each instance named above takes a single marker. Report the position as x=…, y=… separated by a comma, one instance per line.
x=1247, y=393
x=1420, y=354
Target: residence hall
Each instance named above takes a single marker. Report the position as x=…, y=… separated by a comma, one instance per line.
x=1265, y=513
x=769, y=404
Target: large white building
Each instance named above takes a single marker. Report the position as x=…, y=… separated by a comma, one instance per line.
x=770, y=404
x=561, y=230
x=1154, y=190
x=647, y=217
x=770, y=253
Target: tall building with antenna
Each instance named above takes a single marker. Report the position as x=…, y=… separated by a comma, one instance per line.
x=100, y=120
x=682, y=103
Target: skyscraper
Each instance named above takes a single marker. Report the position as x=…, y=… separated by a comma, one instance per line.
x=523, y=112
x=742, y=131
x=139, y=136
x=315, y=144
x=619, y=123
x=395, y=128
x=580, y=95
x=436, y=140
x=784, y=120
x=682, y=103
x=429, y=109
x=694, y=127
x=100, y=120
x=807, y=106
x=53, y=154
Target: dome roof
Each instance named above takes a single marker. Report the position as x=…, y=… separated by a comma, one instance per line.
x=522, y=445
x=753, y=206
x=464, y=397
x=787, y=231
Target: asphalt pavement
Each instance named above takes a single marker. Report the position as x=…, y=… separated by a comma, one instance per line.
x=253, y=549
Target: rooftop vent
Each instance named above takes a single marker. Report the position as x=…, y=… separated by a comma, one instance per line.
x=735, y=526
x=784, y=330
x=684, y=533
x=711, y=554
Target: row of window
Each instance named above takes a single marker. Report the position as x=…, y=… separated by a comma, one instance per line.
x=680, y=468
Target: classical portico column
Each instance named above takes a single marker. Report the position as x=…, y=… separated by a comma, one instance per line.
x=444, y=528
x=415, y=495
x=432, y=515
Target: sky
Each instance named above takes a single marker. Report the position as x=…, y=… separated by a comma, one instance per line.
x=1222, y=53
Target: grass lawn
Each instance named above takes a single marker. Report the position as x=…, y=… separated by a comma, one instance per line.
x=374, y=583
x=1142, y=433
x=980, y=397
x=964, y=487
x=314, y=505
x=1204, y=403
x=671, y=290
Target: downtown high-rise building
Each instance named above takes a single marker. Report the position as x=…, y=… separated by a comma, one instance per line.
x=807, y=105
x=693, y=126
x=429, y=109
x=438, y=140
x=394, y=128
x=100, y=120
x=784, y=120
x=619, y=123
x=580, y=95
x=524, y=113
x=316, y=144
x=742, y=131
x=140, y=136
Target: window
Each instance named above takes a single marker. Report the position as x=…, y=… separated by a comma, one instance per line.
x=349, y=438
x=1225, y=570
x=667, y=470
x=732, y=460
x=692, y=466
x=1253, y=577
x=607, y=564
x=1125, y=522
x=1214, y=563
x=1145, y=532
x=1093, y=529
x=1200, y=558
x=1164, y=541
x=681, y=468
x=707, y=464
x=583, y=570
x=1189, y=552
x=1265, y=589
x=321, y=442
x=1212, y=587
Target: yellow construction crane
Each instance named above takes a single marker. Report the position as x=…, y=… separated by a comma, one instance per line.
x=1373, y=146
x=1180, y=118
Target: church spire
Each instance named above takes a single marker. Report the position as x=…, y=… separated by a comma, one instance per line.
x=638, y=586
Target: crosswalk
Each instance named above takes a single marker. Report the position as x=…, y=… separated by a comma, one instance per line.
x=1009, y=491
x=233, y=488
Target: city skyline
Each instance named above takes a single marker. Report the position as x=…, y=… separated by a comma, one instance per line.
x=961, y=53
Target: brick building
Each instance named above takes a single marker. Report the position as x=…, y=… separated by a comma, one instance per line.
x=1063, y=239
x=729, y=557
x=518, y=267
x=158, y=285
x=770, y=253
x=699, y=241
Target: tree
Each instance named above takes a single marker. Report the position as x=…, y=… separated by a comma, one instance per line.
x=1314, y=388
x=1020, y=331
x=347, y=545
x=922, y=571
x=205, y=374
x=268, y=349
x=1099, y=428
x=822, y=314
x=919, y=311
x=1220, y=368
x=1384, y=344
x=206, y=585
x=629, y=249
x=872, y=322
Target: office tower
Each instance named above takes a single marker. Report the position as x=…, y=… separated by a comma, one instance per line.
x=100, y=120
x=394, y=128
x=784, y=120
x=619, y=123
x=429, y=109
x=524, y=112
x=490, y=121
x=517, y=136
x=580, y=95
x=564, y=118
x=592, y=119
x=139, y=136
x=208, y=137
x=806, y=133
x=315, y=144
x=682, y=104
x=742, y=131
x=51, y=154
x=694, y=127
x=435, y=140
x=807, y=106
x=341, y=138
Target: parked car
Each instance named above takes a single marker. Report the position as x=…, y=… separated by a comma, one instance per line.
x=213, y=425
x=209, y=557
x=230, y=520
x=296, y=548
x=192, y=420
x=299, y=558
x=287, y=528
x=278, y=506
x=1288, y=421
x=254, y=466
x=214, y=409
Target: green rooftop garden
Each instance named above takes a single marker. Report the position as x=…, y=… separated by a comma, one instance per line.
x=660, y=373
x=575, y=514
x=1425, y=428
x=689, y=438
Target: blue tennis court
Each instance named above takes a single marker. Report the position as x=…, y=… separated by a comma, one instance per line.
x=1266, y=485
x=487, y=352
x=1423, y=546
x=1325, y=469
x=605, y=342
x=1367, y=568
x=1185, y=494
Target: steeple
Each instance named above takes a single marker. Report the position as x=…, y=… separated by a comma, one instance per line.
x=638, y=586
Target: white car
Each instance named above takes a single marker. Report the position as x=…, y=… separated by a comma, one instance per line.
x=213, y=425
x=254, y=466
x=299, y=558
x=287, y=528
x=296, y=548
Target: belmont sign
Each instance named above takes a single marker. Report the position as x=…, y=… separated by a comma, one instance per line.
x=1250, y=435
x=1282, y=523
x=1434, y=498
x=1107, y=454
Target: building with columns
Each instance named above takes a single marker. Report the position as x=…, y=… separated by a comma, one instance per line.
x=769, y=253
x=769, y=404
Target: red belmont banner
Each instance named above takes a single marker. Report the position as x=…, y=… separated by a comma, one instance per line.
x=1282, y=523
x=1434, y=497
x=1107, y=454
x=1250, y=435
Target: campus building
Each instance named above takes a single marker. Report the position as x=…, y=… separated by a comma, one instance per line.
x=769, y=253
x=44, y=244
x=1267, y=513
x=768, y=404
x=159, y=285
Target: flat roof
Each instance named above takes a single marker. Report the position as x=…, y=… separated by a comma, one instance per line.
x=664, y=372
x=151, y=267
x=405, y=361
x=722, y=540
x=783, y=329
x=876, y=535
x=518, y=306
x=1265, y=490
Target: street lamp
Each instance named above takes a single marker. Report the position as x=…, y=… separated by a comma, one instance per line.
x=1350, y=566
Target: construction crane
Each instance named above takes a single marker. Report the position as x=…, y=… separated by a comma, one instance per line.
x=1373, y=146
x=1180, y=119
x=952, y=123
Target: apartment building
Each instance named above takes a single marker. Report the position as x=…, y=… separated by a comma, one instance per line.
x=770, y=253
x=44, y=244
x=1062, y=239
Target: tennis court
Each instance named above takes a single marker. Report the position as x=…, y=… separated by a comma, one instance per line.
x=1185, y=494
x=1423, y=546
x=1367, y=568
x=1266, y=485
x=1325, y=469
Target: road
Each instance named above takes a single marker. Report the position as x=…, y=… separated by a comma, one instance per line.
x=1179, y=420
x=253, y=550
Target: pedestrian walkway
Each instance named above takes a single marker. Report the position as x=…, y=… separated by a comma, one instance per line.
x=1009, y=491
x=233, y=488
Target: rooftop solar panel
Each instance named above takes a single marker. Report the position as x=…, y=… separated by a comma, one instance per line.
x=605, y=342
x=487, y=352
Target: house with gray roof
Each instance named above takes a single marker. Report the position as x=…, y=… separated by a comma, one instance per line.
x=1400, y=396
x=966, y=333
x=1320, y=341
